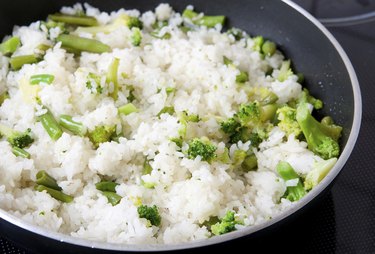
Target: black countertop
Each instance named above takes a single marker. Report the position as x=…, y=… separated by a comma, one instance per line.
x=344, y=220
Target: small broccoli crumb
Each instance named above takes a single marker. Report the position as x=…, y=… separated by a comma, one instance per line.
x=227, y=224
x=203, y=148
x=17, y=138
x=288, y=123
x=151, y=213
x=101, y=134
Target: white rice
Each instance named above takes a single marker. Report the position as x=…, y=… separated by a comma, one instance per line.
x=187, y=192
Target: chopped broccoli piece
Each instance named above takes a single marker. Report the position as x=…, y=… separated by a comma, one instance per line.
x=101, y=134
x=224, y=156
x=208, y=21
x=285, y=71
x=263, y=95
x=9, y=46
x=238, y=157
x=319, y=171
x=237, y=33
x=293, y=193
x=226, y=224
x=258, y=43
x=93, y=83
x=134, y=22
x=151, y=213
x=250, y=163
x=178, y=141
x=306, y=97
x=288, y=122
x=127, y=109
x=203, y=148
x=17, y=138
x=243, y=77
x=136, y=37
x=332, y=129
x=3, y=97
x=184, y=119
x=249, y=114
x=166, y=110
x=269, y=48
x=321, y=138
x=131, y=96
x=147, y=169
x=230, y=126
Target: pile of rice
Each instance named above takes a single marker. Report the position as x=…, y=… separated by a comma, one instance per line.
x=187, y=191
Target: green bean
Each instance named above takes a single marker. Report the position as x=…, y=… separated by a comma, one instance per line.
x=243, y=77
x=112, y=197
x=55, y=193
x=127, y=109
x=42, y=178
x=68, y=123
x=74, y=20
x=42, y=78
x=18, y=61
x=106, y=186
x=112, y=77
x=269, y=48
x=19, y=152
x=50, y=125
x=83, y=44
x=9, y=46
x=208, y=21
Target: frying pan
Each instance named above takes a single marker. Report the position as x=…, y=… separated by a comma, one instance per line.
x=328, y=73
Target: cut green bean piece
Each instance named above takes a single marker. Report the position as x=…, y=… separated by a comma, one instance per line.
x=112, y=77
x=42, y=178
x=112, y=197
x=286, y=172
x=42, y=78
x=19, y=152
x=106, y=186
x=208, y=21
x=51, y=126
x=18, y=61
x=83, y=44
x=74, y=20
x=269, y=48
x=166, y=110
x=9, y=46
x=68, y=123
x=55, y=193
x=127, y=109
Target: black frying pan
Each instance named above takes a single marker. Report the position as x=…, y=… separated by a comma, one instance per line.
x=328, y=73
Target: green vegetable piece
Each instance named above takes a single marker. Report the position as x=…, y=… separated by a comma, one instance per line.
x=74, y=19
x=202, y=148
x=19, y=152
x=3, y=97
x=106, y=186
x=249, y=114
x=208, y=21
x=269, y=48
x=306, y=97
x=243, y=77
x=263, y=95
x=17, y=62
x=82, y=44
x=258, y=43
x=287, y=121
x=50, y=125
x=227, y=61
x=147, y=169
x=268, y=112
x=68, y=123
x=42, y=178
x=127, y=109
x=301, y=77
x=293, y=193
x=319, y=171
x=321, y=139
x=178, y=141
x=136, y=37
x=94, y=80
x=9, y=46
x=42, y=78
x=166, y=110
x=230, y=126
x=212, y=221
x=151, y=213
x=250, y=163
x=101, y=134
x=170, y=90
x=55, y=193
x=238, y=157
x=134, y=22
x=16, y=138
x=285, y=71
x=112, y=77
x=227, y=224
x=237, y=33
x=112, y=197
x=131, y=96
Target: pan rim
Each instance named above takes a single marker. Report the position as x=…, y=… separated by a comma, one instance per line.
x=248, y=230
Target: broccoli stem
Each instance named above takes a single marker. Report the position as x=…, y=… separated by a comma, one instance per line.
x=68, y=123
x=51, y=126
x=127, y=109
x=55, y=193
x=112, y=197
x=17, y=62
x=42, y=78
x=286, y=172
x=19, y=152
x=320, y=170
x=74, y=20
x=112, y=77
x=82, y=44
x=42, y=178
x=9, y=46
x=106, y=186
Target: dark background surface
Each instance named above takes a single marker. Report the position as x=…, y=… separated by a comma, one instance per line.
x=344, y=220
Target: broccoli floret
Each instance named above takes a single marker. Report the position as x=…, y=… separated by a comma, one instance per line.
x=285, y=71
x=306, y=97
x=321, y=139
x=136, y=37
x=151, y=213
x=245, y=134
x=249, y=114
x=201, y=147
x=101, y=134
x=330, y=128
x=17, y=138
x=286, y=171
x=230, y=126
x=319, y=171
x=134, y=22
x=93, y=83
x=288, y=123
x=227, y=224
